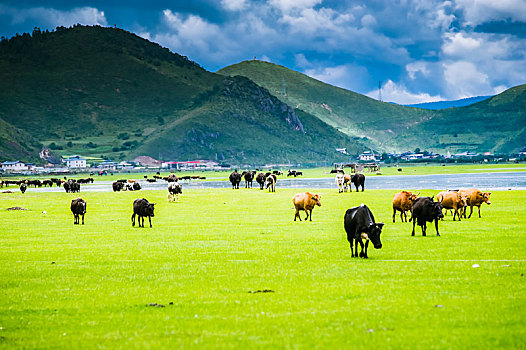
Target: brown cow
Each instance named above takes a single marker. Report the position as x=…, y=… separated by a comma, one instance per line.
x=346, y=182
x=475, y=198
x=305, y=201
x=403, y=202
x=453, y=200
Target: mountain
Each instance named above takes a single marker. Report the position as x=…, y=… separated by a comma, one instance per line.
x=448, y=104
x=16, y=144
x=104, y=91
x=495, y=124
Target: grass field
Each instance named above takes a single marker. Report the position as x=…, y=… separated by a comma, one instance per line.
x=207, y=256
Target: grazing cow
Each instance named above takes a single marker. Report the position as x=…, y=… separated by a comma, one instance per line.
x=249, y=177
x=56, y=181
x=426, y=210
x=339, y=180
x=475, y=198
x=305, y=201
x=78, y=208
x=235, y=179
x=142, y=208
x=291, y=173
x=151, y=180
x=359, y=223
x=347, y=183
x=23, y=188
x=67, y=186
x=358, y=180
x=136, y=186
x=260, y=179
x=174, y=189
x=453, y=200
x=299, y=173
x=277, y=172
x=403, y=202
x=117, y=186
x=47, y=183
x=271, y=182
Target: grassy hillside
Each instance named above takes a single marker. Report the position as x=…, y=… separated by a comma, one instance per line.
x=484, y=126
x=106, y=92
x=16, y=144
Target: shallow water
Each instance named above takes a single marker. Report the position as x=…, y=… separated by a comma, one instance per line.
x=483, y=181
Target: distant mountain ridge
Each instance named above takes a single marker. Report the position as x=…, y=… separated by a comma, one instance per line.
x=449, y=104
x=495, y=124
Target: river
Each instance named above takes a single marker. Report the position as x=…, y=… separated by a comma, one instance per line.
x=484, y=181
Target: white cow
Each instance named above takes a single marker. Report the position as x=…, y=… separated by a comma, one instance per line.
x=339, y=179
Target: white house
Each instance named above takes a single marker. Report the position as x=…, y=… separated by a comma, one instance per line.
x=75, y=162
x=14, y=166
x=367, y=156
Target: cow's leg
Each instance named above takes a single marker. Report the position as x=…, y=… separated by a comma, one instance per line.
x=362, y=188
x=436, y=226
x=471, y=212
x=150, y=220
x=352, y=253
x=424, y=227
x=133, y=219
x=366, y=245
x=74, y=219
x=479, y=211
x=297, y=215
x=362, y=254
x=394, y=214
x=310, y=214
x=356, y=247
x=82, y=219
x=307, y=213
x=405, y=216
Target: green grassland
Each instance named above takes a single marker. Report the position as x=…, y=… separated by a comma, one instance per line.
x=208, y=255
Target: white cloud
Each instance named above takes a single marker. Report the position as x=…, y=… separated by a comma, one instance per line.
x=54, y=18
x=417, y=67
x=368, y=21
x=301, y=61
x=459, y=44
x=233, y=5
x=288, y=5
x=465, y=80
x=480, y=11
x=393, y=92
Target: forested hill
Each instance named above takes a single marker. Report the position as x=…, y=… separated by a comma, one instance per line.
x=104, y=91
x=494, y=125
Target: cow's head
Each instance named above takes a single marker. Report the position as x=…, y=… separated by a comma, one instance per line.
x=82, y=206
x=486, y=197
x=373, y=232
x=149, y=208
x=317, y=199
x=413, y=196
x=436, y=210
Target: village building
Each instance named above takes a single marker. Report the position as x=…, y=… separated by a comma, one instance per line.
x=15, y=166
x=75, y=162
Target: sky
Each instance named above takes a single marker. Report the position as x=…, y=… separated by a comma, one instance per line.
x=416, y=50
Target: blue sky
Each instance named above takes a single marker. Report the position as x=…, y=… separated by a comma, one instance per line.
x=421, y=50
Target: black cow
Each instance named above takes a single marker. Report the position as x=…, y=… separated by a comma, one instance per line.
x=174, y=189
x=235, y=179
x=136, y=186
x=260, y=179
x=359, y=223
x=117, y=186
x=74, y=187
x=358, y=180
x=142, y=208
x=23, y=188
x=78, y=208
x=426, y=210
x=249, y=177
x=67, y=187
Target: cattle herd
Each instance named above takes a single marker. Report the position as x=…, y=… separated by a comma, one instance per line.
x=359, y=222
